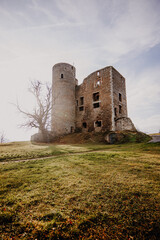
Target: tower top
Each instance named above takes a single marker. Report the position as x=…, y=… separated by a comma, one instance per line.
x=66, y=66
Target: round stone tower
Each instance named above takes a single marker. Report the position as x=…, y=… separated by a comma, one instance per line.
x=63, y=99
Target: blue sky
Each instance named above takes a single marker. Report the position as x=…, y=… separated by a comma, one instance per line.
x=91, y=34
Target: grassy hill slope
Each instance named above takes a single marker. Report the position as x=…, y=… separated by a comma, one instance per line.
x=92, y=137
x=109, y=193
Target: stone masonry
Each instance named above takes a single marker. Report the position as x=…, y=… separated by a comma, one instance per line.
x=99, y=104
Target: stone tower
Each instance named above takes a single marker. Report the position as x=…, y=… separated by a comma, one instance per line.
x=63, y=99
x=98, y=104
x=101, y=103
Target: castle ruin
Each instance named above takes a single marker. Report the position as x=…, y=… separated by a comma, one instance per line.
x=98, y=104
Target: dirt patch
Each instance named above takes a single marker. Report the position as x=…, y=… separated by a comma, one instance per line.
x=81, y=138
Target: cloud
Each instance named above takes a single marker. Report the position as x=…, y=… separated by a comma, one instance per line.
x=92, y=34
x=79, y=11
x=146, y=85
x=133, y=30
x=148, y=125
x=143, y=99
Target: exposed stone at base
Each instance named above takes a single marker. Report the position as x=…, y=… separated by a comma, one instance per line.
x=126, y=137
x=124, y=123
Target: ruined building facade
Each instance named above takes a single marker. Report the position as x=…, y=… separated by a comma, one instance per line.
x=98, y=104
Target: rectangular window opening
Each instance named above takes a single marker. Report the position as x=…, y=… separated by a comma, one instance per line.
x=72, y=129
x=120, y=109
x=96, y=96
x=120, y=97
x=81, y=108
x=96, y=105
x=98, y=83
x=115, y=112
x=61, y=75
x=81, y=100
x=98, y=123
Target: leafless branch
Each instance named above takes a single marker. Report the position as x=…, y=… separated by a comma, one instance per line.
x=2, y=137
x=39, y=117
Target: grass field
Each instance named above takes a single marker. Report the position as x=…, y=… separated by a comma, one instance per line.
x=80, y=191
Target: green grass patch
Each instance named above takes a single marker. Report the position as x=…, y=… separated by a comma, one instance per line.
x=27, y=150
x=109, y=193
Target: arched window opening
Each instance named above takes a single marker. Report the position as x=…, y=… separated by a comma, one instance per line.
x=84, y=124
x=115, y=112
x=120, y=97
x=120, y=109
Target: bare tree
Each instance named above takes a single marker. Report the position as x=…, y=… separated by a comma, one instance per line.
x=2, y=137
x=40, y=116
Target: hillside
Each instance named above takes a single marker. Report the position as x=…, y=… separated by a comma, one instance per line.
x=115, y=137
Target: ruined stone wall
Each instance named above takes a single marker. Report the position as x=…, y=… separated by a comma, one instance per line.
x=94, y=103
x=119, y=99
x=121, y=120
x=98, y=104
x=119, y=94
x=124, y=123
x=63, y=99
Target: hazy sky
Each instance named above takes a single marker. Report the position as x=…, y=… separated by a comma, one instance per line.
x=91, y=34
